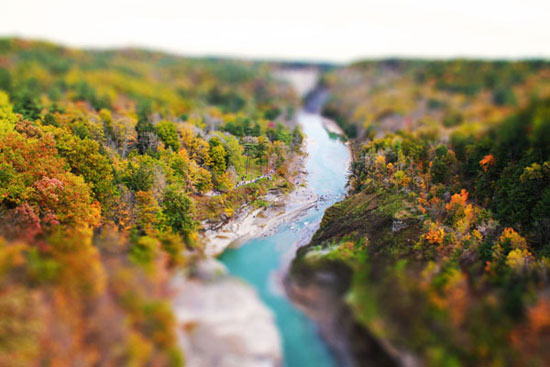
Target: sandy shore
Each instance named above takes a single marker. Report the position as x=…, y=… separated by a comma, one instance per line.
x=223, y=322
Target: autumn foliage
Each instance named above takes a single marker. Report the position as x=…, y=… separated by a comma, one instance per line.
x=449, y=207
x=105, y=160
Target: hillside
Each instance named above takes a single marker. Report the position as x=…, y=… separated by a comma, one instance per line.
x=112, y=163
x=444, y=232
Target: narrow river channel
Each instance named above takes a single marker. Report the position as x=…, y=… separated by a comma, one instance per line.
x=262, y=262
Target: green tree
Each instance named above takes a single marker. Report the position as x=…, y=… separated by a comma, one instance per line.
x=256, y=130
x=179, y=210
x=144, y=109
x=504, y=96
x=5, y=80
x=138, y=175
x=540, y=136
x=249, y=152
x=167, y=132
x=7, y=117
x=182, y=169
x=202, y=180
x=146, y=137
x=263, y=148
x=26, y=100
x=442, y=164
x=85, y=159
x=146, y=210
x=218, y=156
x=234, y=152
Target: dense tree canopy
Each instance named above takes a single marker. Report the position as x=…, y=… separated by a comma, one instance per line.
x=447, y=216
x=105, y=160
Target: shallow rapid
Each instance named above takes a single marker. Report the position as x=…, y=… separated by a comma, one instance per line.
x=262, y=262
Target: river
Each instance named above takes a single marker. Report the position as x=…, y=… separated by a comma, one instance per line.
x=262, y=262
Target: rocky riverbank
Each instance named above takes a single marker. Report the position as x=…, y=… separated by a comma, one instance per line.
x=252, y=222
x=320, y=280
x=320, y=293
x=223, y=321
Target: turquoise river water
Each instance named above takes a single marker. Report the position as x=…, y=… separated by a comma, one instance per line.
x=263, y=261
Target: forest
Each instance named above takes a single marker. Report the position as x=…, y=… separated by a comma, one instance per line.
x=112, y=162
x=448, y=210
x=115, y=164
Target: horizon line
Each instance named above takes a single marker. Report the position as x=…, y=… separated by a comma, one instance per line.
x=275, y=59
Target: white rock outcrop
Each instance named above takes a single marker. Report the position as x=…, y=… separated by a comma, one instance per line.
x=224, y=323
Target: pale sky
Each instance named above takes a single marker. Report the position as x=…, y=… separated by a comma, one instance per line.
x=337, y=30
